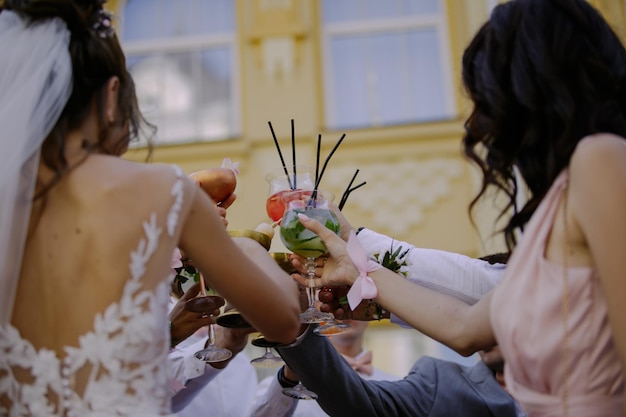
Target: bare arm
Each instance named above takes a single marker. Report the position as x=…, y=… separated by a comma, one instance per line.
x=464, y=328
x=597, y=198
x=246, y=278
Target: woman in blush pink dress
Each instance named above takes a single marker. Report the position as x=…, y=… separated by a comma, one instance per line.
x=547, y=79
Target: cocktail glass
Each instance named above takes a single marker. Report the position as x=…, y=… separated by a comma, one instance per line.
x=281, y=183
x=305, y=243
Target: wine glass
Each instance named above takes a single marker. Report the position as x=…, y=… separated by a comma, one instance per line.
x=269, y=359
x=281, y=182
x=332, y=326
x=205, y=303
x=299, y=392
x=304, y=242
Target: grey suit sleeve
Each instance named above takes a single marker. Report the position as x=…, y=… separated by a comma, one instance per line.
x=433, y=387
x=342, y=392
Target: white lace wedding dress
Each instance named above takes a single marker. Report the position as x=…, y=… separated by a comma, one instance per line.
x=124, y=355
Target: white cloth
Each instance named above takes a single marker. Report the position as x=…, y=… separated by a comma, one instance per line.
x=188, y=375
x=36, y=82
x=459, y=276
x=456, y=275
x=271, y=402
x=229, y=394
x=199, y=389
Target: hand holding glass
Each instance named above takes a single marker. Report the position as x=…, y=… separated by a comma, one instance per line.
x=200, y=304
x=304, y=242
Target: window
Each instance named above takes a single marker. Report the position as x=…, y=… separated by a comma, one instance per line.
x=385, y=62
x=183, y=57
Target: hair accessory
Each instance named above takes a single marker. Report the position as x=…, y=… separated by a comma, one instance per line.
x=103, y=24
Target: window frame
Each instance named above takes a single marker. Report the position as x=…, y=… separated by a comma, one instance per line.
x=439, y=21
x=195, y=43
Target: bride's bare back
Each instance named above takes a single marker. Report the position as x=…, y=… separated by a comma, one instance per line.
x=93, y=290
x=77, y=258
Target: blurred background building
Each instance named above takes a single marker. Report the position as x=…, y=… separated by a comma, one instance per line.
x=211, y=74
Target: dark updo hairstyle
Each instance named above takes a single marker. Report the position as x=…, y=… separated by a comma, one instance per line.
x=542, y=74
x=96, y=57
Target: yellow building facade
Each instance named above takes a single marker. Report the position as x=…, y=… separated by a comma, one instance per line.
x=418, y=184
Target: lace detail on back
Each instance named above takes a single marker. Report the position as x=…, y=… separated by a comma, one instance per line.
x=122, y=359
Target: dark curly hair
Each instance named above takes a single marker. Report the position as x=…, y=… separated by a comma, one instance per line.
x=95, y=59
x=542, y=75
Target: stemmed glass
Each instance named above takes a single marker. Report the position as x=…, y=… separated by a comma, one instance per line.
x=301, y=179
x=307, y=244
x=268, y=360
x=205, y=303
x=332, y=326
x=304, y=242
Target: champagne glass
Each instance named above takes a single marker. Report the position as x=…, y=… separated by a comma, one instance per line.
x=304, y=242
x=204, y=303
x=332, y=326
x=298, y=392
x=301, y=178
x=269, y=359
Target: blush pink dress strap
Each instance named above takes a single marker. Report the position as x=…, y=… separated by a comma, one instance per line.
x=528, y=321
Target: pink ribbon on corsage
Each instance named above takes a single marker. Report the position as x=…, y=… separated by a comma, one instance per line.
x=363, y=287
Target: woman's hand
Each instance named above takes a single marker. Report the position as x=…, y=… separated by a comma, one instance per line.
x=221, y=208
x=219, y=184
x=336, y=270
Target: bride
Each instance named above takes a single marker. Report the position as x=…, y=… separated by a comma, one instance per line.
x=86, y=237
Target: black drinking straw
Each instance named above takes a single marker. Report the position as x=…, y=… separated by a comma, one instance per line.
x=280, y=154
x=317, y=160
x=347, y=194
x=344, y=196
x=293, y=155
x=317, y=181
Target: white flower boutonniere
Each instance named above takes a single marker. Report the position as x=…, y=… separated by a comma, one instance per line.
x=394, y=259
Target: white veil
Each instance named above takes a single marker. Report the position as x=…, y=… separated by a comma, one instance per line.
x=35, y=84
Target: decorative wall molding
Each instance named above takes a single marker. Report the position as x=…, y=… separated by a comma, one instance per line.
x=397, y=194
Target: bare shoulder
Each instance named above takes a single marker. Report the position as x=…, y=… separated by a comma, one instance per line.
x=141, y=177
x=137, y=171
x=598, y=159
x=598, y=150
x=598, y=174
x=107, y=180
